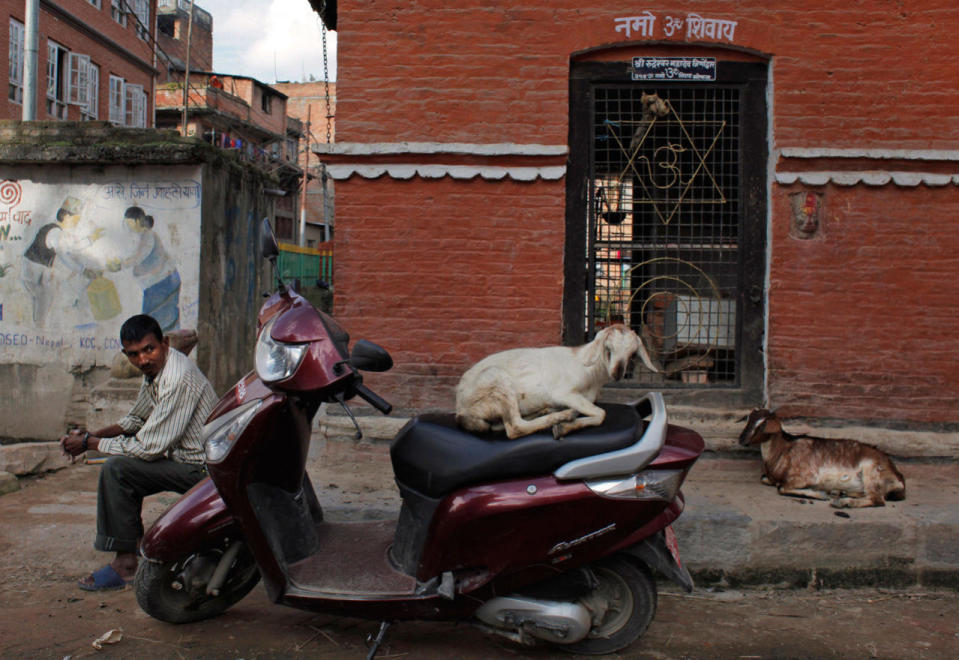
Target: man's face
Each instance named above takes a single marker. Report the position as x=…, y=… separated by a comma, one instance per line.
x=148, y=354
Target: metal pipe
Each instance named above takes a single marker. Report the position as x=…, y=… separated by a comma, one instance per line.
x=31, y=48
x=186, y=72
x=222, y=568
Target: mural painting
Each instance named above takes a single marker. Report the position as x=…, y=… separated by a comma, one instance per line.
x=77, y=259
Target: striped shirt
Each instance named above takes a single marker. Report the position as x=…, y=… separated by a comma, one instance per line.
x=167, y=418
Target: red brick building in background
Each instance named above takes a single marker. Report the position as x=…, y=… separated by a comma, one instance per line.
x=314, y=102
x=173, y=27
x=96, y=60
x=766, y=192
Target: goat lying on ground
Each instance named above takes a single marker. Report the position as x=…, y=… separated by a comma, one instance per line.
x=856, y=474
x=552, y=385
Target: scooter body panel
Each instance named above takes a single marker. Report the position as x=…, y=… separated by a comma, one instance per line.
x=197, y=521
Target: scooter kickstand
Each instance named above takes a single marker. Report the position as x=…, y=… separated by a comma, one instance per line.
x=374, y=642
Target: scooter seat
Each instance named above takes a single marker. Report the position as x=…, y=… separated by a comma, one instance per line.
x=434, y=456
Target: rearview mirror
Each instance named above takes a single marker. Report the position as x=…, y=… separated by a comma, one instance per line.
x=367, y=356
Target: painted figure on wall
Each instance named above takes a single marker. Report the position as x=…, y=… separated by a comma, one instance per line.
x=153, y=269
x=64, y=242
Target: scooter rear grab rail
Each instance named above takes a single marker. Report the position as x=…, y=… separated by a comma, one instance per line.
x=629, y=459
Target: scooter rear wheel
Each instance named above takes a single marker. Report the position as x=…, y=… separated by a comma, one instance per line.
x=161, y=594
x=622, y=605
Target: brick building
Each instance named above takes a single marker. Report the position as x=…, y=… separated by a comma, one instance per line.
x=314, y=101
x=765, y=191
x=246, y=117
x=96, y=60
x=173, y=28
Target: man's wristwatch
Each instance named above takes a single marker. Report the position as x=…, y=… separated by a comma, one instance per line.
x=83, y=443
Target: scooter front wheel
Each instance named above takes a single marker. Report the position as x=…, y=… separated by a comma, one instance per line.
x=176, y=591
x=622, y=606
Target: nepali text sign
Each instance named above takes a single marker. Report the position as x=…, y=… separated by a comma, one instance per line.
x=699, y=69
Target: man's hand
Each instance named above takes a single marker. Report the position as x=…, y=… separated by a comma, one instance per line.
x=77, y=441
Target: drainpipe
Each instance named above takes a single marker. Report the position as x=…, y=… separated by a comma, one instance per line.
x=186, y=72
x=306, y=178
x=31, y=28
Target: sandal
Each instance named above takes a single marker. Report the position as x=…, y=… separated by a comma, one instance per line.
x=104, y=579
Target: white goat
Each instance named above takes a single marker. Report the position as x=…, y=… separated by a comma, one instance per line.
x=856, y=474
x=525, y=390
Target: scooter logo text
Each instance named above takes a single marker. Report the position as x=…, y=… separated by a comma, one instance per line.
x=566, y=545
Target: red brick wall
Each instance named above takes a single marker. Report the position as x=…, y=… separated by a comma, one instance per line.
x=439, y=273
x=63, y=32
x=861, y=321
x=873, y=72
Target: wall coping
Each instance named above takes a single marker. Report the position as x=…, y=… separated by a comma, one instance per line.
x=867, y=177
x=426, y=148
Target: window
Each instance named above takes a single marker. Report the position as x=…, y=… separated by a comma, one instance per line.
x=136, y=106
x=95, y=3
x=141, y=10
x=118, y=12
x=266, y=103
x=91, y=110
x=79, y=79
x=117, y=100
x=16, y=61
x=57, y=80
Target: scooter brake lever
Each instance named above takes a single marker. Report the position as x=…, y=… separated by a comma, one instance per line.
x=342, y=401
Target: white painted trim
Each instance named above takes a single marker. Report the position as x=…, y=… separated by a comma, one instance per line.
x=426, y=148
x=868, y=177
x=875, y=154
x=408, y=171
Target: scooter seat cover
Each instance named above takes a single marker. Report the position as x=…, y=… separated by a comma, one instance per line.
x=434, y=456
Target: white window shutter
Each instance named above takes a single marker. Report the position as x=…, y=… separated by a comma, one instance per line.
x=134, y=100
x=79, y=79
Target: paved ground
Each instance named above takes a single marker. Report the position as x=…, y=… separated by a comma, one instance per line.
x=48, y=527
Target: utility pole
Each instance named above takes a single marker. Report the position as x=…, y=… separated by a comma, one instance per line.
x=306, y=178
x=186, y=72
x=31, y=46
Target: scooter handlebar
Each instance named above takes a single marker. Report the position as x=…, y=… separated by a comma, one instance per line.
x=373, y=399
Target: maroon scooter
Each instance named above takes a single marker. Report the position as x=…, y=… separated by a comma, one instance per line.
x=535, y=539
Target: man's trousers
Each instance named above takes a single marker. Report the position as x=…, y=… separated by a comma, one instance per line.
x=124, y=482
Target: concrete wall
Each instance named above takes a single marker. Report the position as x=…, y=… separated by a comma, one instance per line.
x=67, y=286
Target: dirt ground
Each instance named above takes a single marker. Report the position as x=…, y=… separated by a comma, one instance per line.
x=47, y=529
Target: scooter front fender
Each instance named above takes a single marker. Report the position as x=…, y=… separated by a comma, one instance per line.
x=197, y=521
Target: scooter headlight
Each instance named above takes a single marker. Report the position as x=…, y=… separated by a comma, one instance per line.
x=223, y=431
x=275, y=360
x=659, y=485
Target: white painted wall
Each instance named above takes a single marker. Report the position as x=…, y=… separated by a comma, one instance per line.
x=63, y=302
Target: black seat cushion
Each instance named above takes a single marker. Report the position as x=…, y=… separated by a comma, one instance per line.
x=434, y=456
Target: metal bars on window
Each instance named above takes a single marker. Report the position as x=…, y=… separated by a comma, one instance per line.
x=664, y=222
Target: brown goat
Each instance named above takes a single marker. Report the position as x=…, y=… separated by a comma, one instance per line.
x=850, y=473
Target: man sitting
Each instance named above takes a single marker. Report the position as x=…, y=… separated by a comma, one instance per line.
x=158, y=446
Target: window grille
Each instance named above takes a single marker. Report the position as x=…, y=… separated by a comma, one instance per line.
x=664, y=219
